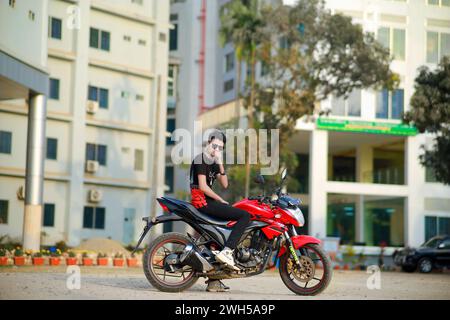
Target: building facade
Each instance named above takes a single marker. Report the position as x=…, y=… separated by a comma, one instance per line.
x=106, y=115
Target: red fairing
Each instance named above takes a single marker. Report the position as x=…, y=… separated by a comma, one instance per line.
x=299, y=241
x=256, y=209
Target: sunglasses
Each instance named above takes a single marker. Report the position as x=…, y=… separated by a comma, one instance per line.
x=216, y=146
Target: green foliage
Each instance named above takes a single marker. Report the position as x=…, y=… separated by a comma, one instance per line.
x=430, y=112
x=102, y=255
x=2, y=252
x=18, y=252
x=118, y=255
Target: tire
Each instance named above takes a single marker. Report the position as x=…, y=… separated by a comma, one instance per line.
x=409, y=269
x=321, y=286
x=148, y=270
x=425, y=265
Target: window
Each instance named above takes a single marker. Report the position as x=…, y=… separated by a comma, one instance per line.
x=94, y=218
x=99, y=39
x=100, y=95
x=171, y=81
x=54, y=89
x=438, y=45
x=138, y=160
x=54, y=28
x=347, y=107
x=435, y=226
x=49, y=215
x=142, y=42
x=139, y=97
x=390, y=104
x=394, y=40
x=265, y=68
x=4, y=211
x=12, y=3
x=139, y=2
x=445, y=3
x=170, y=129
x=52, y=148
x=169, y=178
x=127, y=38
x=228, y=85
x=96, y=153
x=5, y=142
x=229, y=61
x=341, y=221
x=173, y=38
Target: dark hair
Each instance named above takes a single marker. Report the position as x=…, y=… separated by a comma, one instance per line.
x=217, y=134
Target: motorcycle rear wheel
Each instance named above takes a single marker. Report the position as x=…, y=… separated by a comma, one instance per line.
x=153, y=266
x=297, y=280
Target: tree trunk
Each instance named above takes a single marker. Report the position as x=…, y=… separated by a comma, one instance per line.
x=250, y=120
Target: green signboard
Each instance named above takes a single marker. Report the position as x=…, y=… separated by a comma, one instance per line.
x=365, y=126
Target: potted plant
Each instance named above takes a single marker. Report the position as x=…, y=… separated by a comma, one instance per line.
x=132, y=261
x=71, y=259
x=102, y=259
x=19, y=259
x=38, y=259
x=87, y=261
x=3, y=258
x=55, y=259
x=118, y=260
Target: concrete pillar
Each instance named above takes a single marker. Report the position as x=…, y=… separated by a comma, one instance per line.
x=414, y=220
x=318, y=152
x=34, y=176
x=359, y=218
x=364, y=164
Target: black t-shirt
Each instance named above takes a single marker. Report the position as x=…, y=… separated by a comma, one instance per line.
x=200, y=165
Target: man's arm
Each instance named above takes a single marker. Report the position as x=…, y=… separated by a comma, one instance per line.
x=223, y=179
x=207, y=190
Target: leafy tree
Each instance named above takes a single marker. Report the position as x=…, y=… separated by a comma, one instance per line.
x=430, y=112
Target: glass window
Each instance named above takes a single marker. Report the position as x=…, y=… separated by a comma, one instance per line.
x=384, y=222
x=52, y=148
x=90, y=151
x=435, y=226
x=5, y=142
x=170, y=129
x=93, y=93
x=384, y=37
x=56, y=30
x=138, y=160
x=105, y=40
x=432, y=46
x=49, y=215
x=443, y=225
x=88, y=217
x=173, y=38
x=341, y=217
x=93, y=38
x=397, y=104
x=101, y=154
x=445, y=44
x=54, y=89
x=229, y=61
x=338, y=106
x=354, y=103
x=399, y=44
x=99, y=218
x=382, y=104
x=103, y=101
x=228, y=85
x=169, y=177
x=4, y=211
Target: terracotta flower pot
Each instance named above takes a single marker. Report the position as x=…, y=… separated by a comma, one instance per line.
x=71, y=261
x=3, y=261
x=19, y=261
x=132, y=262
x=102, y=261
x=118, y=262
x=38, y=261
x=346, y=267
x=87, y=262
x=54, y=261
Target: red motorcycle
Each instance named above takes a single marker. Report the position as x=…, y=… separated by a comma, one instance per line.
x=173, y=262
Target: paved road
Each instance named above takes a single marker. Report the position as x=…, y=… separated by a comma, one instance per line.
x=111, y=283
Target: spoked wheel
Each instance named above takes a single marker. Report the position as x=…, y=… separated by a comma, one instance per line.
x=157, y=268
x=314, y=274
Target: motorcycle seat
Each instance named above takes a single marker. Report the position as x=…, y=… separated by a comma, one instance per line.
x=201, y=216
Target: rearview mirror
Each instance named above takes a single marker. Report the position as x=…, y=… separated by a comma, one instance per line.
x=259, y=179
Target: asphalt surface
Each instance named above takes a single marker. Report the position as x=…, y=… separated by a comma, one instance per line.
x=130, y=283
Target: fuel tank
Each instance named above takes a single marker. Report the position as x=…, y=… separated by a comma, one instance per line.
x=259, y=210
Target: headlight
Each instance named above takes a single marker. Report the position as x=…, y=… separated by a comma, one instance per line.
x=298, y=214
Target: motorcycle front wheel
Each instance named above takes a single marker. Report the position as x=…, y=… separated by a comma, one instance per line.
x=314, y=274
x=154, y=263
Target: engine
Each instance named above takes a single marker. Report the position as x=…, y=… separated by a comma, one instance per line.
x=251, y=251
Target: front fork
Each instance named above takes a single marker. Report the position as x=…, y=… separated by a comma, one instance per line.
x=291, y=245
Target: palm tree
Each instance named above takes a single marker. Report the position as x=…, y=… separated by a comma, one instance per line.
x=242, y=25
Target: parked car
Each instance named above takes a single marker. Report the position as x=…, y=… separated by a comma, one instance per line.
x=433, y=254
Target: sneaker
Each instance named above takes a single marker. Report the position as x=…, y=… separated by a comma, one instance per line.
x=226, y=256
x=216, y=286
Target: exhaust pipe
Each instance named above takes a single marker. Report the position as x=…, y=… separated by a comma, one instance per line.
x=193, y=258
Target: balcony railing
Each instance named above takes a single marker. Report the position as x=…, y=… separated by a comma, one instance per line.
x=392, y=175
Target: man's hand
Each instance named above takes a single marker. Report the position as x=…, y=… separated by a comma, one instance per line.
x=223, y=201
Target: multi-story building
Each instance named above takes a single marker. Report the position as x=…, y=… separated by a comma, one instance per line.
x=106, y=117
x=360, y=176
